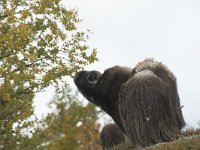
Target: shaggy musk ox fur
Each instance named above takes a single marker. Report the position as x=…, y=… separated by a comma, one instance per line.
x=111, y=135
x=143, y=101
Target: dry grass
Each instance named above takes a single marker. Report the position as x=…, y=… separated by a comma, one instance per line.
x=190, y=140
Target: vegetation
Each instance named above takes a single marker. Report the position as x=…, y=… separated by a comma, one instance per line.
x=39, y=45
x=72, y=126
x=190, y=140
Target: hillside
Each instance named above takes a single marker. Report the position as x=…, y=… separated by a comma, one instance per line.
x=190, y=140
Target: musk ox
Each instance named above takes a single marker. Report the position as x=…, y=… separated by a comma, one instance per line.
x=143, y=101
x=111, y=135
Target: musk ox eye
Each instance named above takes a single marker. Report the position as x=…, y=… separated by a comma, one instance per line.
x=92, y=78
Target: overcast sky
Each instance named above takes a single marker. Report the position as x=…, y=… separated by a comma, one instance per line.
x=128, y=31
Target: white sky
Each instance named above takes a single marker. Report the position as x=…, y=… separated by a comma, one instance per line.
x=128, y=31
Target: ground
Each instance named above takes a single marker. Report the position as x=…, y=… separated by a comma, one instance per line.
x=190, y=140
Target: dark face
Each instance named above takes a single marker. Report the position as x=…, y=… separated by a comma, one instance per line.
x=101, y=88
x=87, y=83
x=96, y=87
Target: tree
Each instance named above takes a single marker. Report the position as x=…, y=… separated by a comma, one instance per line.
x=72, y=126
x=39, y=45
